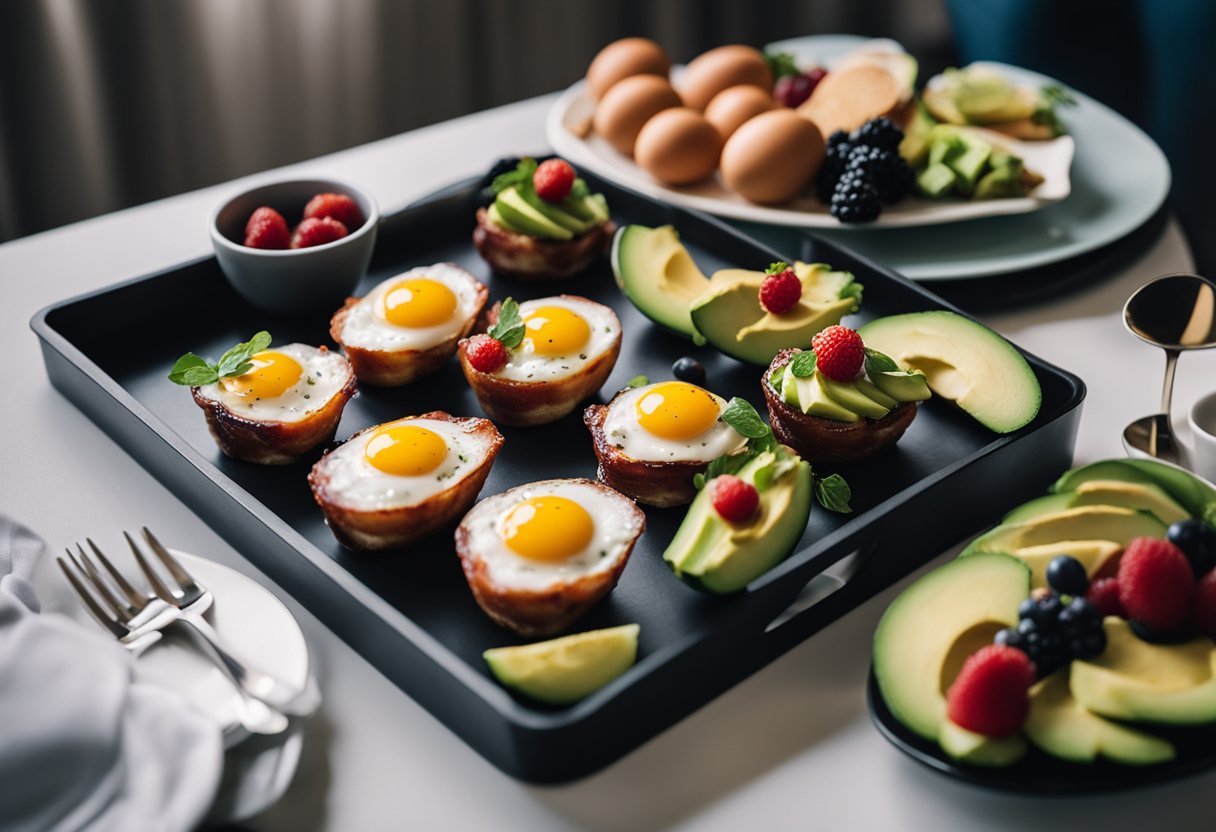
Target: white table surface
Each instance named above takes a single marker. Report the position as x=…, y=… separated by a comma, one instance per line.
x=791, y=747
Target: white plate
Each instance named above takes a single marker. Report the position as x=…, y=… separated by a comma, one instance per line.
x=1050, y=159
x=1119, y=178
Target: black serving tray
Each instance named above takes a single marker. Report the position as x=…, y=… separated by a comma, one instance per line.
x=411, y=614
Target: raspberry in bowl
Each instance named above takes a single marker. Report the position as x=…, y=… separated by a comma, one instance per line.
x=297, y=245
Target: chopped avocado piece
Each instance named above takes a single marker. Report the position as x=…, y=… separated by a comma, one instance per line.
x=658, y=275
x=1142, y=682
x=728, y=313
x=904, y=385
x=944, y=144
x=979, y=750
x=1039, y=506
x=1002, y=183
x=521, y=217
x=872, y=390
x=970, y=162
x=964, y=362
x=1062, y=727
x=848, y=395
x=815, y=400
x=1193, y=494
x=554, y=212
x=564, y=670
x=1097, y=556
x=934, y=625
x=936, y=180
x=1085, y=523
x=716, y=556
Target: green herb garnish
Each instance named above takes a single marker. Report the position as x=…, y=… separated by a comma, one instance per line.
x=741, y=416
x=852, y=290
x=781, y=64
x=777, y=267
x=833, y=493
x=193, y=371
x=638, y=381
x=803, y=365
x=510, y=326
x=877, y=362
x=522, y=175
x=1053, y=97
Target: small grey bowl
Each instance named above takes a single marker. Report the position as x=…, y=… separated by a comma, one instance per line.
x=291, y=281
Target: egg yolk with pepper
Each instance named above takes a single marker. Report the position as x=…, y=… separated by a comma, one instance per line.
x=555, y=330
x=548, y=529
x=675, y=410
x=417, y=303
x=273, y=374
x=405, y=450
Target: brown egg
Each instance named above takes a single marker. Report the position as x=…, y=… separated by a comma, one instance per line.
x=623, y=58
x=717, y=69
x=678, y=147
x=733, y=106
x=628, y=105
x=773, y=157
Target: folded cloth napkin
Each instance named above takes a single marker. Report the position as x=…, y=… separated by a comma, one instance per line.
x=83, y=745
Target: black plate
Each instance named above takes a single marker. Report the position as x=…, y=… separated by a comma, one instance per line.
x=411, y=613
x=1040, y=773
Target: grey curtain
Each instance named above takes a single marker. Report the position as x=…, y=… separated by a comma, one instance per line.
x=110, y=103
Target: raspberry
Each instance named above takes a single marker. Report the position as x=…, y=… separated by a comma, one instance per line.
x=1203, y=605
x=792, y=90
x=1104, y=595
x=267, y=229
x=317, y=232
x=553, y=180
x=339, y=206
x=1155, y=584
x=839, y=353
x=735, y=500
x=990, y=694
x=486, y=354
x=779, y=293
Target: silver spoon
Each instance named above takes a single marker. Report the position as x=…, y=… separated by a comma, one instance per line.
x=1176, y=312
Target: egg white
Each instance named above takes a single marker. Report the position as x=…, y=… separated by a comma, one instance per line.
x=615, y=529
x=622, y=429
x=355, y=483
x=366, y=327
x=325, y=374
x=523, y=364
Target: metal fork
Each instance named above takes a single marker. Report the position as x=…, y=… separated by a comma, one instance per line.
x=136, y=620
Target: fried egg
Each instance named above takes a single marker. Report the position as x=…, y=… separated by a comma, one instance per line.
x=415, y=310
x=537, y=536
x=405, y=462
x=671, y=421
x=562, y=335
x=285, y=384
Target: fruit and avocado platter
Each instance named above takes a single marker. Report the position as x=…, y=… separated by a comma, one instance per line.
x=1070, y=648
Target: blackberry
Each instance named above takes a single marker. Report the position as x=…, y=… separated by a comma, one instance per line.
x=1053, y=633
x=886, y=170
x=855, y=201
x=1197, y=540
x=834, y=164
x=690, y=370
x=836, y=138
x=879, y=132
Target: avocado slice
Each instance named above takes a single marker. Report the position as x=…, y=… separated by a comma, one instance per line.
x=1114, y=523
x=1193, y=494
x=658, y=275
x=1039, y=506
x=1062, y=727
x=1095, y=555
x=904, y=385
x=1144, y=496
x=848, y=395
x=814, y=399
x=872, y=390
x=1142, y=682
x=519, y=216
x=964, y=362
x=564, y=670
x=712, y=555
x=728, y=313
x=555, y=212
x=934, y=625
x=979, y=750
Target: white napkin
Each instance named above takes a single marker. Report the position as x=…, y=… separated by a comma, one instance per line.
x=82, y=745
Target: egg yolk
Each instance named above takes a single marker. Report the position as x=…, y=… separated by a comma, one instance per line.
x=419, y=302
x=555, y=330
x=675, y=410
x=405, y=450
x=273, y=374
x=547, y=528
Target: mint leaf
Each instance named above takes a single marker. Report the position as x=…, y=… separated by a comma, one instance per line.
x=729, y=464
x=638, y=381
x=777, y=267
x=803, y=365
x=781, y=64
x=877, y=362
x=236, y=360
x=510, y=326
x=741, y=416
x=579, y=189
x=773, y=469
x=833, y=493
x=522, y=175
x=853, y=290
x=192, y=371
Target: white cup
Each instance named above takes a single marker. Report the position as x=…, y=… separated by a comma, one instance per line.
x=1202, y=419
